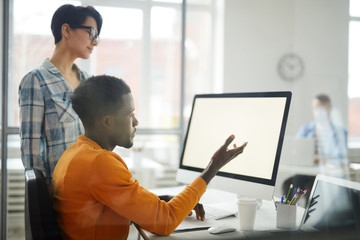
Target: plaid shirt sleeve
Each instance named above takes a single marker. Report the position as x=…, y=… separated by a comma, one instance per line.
x=31, y=103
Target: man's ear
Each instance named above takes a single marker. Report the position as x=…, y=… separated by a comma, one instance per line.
x=107, y=121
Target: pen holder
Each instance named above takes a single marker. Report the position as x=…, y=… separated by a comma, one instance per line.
x=285, y=215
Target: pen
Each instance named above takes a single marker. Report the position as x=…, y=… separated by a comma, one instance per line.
x=293, y=199
x=295, y=191
x=282, y=200
x=300, y=195
x=305, y=191
x=296, y=195
x=290, y=189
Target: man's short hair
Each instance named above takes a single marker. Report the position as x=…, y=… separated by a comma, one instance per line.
x=73, y=16
x=323, y=98
x=98, y=96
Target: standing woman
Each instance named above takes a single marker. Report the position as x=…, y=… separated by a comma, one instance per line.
x=49, y=125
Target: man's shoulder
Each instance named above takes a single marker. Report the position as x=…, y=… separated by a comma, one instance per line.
x=80, y=157
x=310, y=124
x=109, y=159
x=85, y=152
x=307, y=130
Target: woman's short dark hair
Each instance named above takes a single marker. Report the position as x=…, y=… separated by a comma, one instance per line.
x=97, y=97
x=73, y=15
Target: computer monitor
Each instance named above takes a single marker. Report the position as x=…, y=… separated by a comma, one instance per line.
x=256, y=118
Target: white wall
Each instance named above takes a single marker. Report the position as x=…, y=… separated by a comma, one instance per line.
x=258, y=32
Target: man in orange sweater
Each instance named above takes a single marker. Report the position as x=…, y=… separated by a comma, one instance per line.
x=94, y=193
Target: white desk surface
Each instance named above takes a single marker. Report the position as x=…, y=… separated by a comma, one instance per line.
x=265, y=219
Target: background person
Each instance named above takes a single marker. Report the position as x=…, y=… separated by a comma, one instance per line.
x=49, y=125
x=329, y=135
x=94, y=193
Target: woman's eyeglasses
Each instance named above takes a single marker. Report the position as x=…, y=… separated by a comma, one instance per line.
x=92, y=33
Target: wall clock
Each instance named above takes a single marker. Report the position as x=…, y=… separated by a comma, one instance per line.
x=291, y=67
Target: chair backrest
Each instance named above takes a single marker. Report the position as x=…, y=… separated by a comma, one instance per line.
x=40, y=218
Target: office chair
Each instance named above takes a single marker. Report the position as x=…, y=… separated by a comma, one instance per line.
x=141, y=232
x=40, y=220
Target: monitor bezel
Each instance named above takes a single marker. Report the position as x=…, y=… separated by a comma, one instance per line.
x=270, y=182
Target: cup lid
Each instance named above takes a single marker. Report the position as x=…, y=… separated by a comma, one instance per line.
x=246, y=200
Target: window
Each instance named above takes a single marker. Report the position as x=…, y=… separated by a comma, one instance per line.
x=354, y=75
x=140, y=43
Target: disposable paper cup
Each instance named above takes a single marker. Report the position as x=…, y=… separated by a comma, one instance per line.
x=247, y=212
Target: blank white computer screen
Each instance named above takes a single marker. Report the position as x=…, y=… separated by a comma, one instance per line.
x=256, y=120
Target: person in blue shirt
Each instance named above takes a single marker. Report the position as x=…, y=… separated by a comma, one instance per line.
x=330, y=137
x=48, y=124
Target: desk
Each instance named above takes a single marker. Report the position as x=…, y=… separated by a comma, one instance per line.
x=265, y=217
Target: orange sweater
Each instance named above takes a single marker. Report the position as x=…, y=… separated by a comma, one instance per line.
x=95, y=197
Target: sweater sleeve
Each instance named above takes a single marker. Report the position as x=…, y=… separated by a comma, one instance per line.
x=111, y=184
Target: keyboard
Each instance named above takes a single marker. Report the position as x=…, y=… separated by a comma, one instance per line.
x=216, y=213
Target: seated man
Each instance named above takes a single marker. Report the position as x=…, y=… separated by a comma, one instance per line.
x=94, y=193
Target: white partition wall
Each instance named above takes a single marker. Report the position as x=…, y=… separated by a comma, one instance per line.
x=258, y=33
